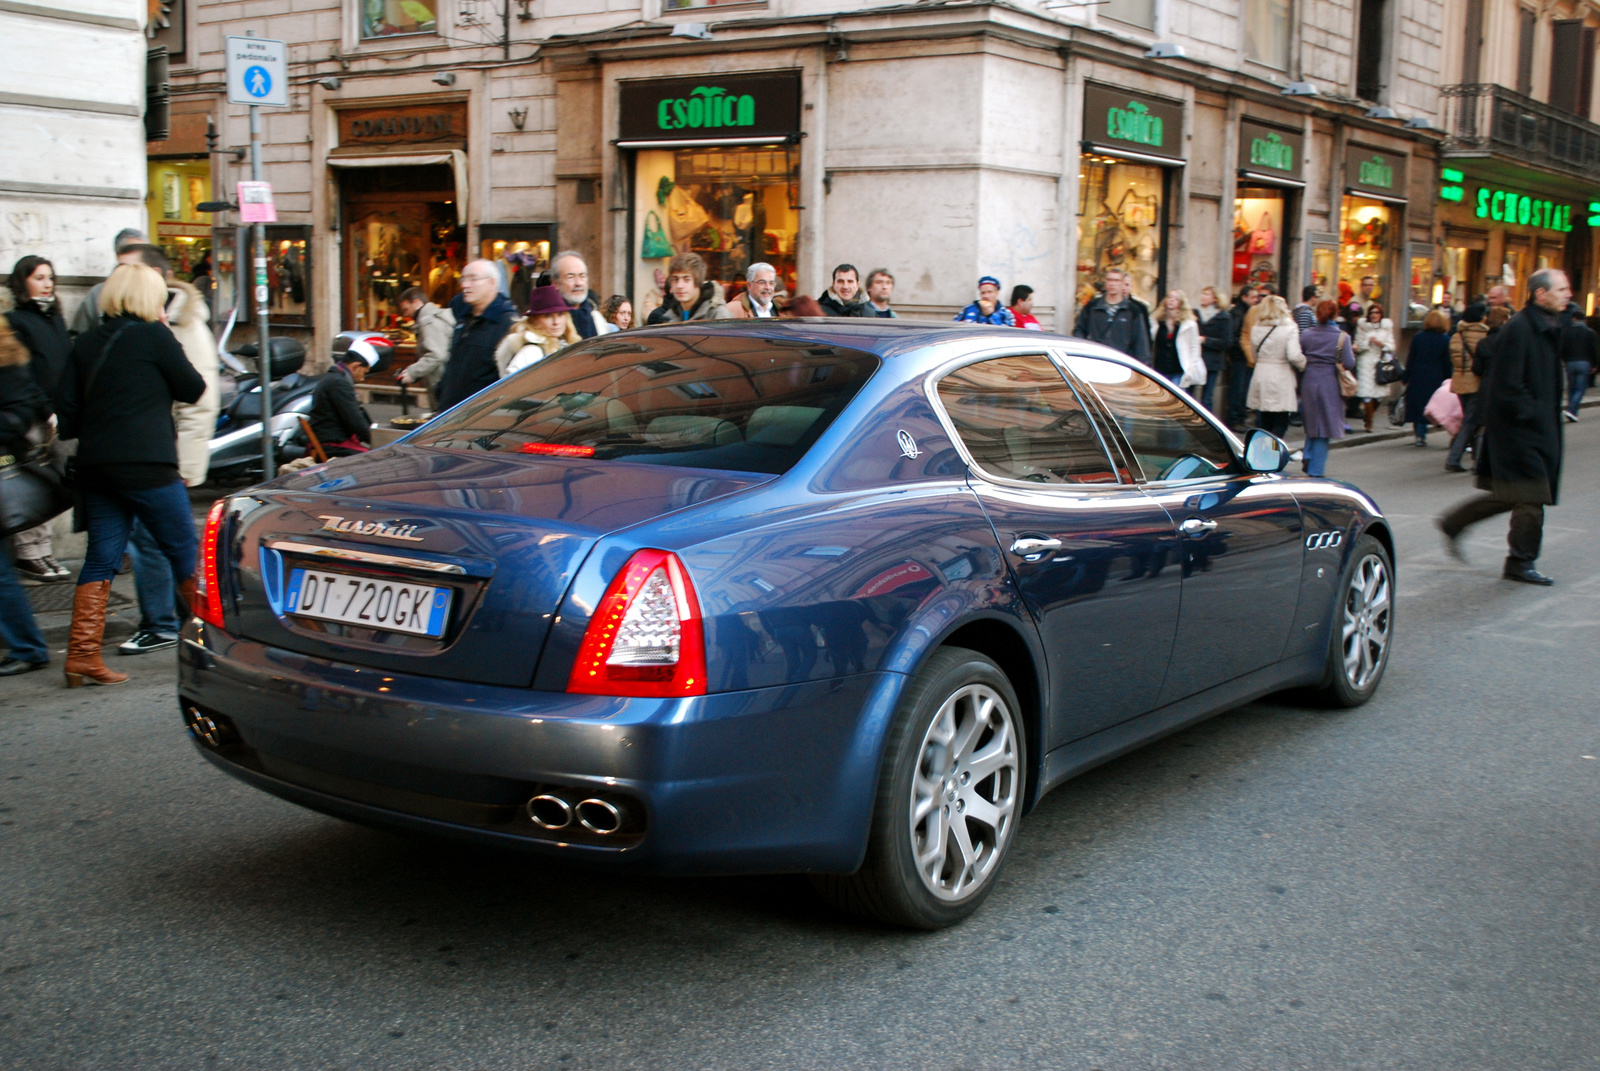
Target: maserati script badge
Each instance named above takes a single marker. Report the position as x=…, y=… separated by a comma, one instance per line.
x=381, y=529
x=908, y=445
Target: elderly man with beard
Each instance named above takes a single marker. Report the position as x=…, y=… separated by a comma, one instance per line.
x=1520, y=402
x=570, y=274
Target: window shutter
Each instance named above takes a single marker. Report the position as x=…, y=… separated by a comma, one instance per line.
x=156, y=94
x=1528, y=23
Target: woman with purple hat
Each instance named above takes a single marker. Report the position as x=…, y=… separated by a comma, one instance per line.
x=545, y=328
x=987, y=309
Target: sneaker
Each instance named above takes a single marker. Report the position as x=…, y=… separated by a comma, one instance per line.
x=1569, y=417
x=36, y=570
x=146, y=640
x=61, y=571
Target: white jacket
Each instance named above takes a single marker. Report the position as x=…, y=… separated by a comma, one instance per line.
x=190, y=321
x=519, y=349
x=1194, y=366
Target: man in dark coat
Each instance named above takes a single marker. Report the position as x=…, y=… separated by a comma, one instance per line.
x=483, y=315
x=1520, y=403
x=1117, y=318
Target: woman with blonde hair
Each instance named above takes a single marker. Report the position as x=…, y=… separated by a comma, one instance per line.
x=546, y=328
x=1274, y=388
x=1175, y=342
x=115, y=396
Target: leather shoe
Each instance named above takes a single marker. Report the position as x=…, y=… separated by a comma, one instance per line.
x=11, y=667
x=1452, y=541
x=1454, y=468
x=1527, y=574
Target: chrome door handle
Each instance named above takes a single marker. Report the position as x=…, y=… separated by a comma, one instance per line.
x=1196, y=526
x=1033, y=549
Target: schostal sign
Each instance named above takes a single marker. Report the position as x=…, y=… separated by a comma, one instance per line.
x=711, y=107
x=1271, y=152
x=1116, y=120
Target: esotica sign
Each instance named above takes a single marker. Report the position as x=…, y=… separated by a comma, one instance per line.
x=1114, y=118
x=711, y=106
x=1270, y=151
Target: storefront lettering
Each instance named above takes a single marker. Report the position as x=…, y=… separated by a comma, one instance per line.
x=1508, y=206
x=706, y=108
x=1271, y=151
x=1134, y=123
x=398, y=126
x=1375, y=172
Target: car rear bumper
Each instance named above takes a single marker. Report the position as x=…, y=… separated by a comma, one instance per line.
x=766, y=780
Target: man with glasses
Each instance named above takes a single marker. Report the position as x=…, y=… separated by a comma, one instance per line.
x=570, y=274
x=483, y=315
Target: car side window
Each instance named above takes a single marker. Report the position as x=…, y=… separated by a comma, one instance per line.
x=1021, y=420
x=1168, y=438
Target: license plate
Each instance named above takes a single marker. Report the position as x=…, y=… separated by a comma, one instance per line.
x=420, y=609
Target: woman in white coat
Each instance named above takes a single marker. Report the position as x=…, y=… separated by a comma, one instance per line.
x=1175, y=343
x=1374, y=338
x=1275, y=385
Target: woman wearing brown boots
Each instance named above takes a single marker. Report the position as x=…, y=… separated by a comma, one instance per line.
x=115, y=397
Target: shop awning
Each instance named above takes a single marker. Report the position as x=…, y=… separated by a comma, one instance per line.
x=702, y=143
x=1263, y=178
x=456, y=158
x=1356, y=191
x=1101, y=149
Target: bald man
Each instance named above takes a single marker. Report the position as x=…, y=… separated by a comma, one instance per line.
x=483, y=315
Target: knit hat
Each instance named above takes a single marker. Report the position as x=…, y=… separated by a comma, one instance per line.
x=544, y=299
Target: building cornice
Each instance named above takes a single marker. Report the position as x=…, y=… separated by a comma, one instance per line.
x=40, y=11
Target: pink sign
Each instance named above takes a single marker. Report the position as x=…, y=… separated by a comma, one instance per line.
x=255, y=203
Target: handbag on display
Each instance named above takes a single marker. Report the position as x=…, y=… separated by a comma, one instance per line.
x=655, y=242
x=32, y=490
x=1264, y=240
x=1388, y=370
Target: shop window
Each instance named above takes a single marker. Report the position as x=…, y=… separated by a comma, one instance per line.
x=1373, y=51
x=400, y=232
x=1258, y=238
x=1365, y=255
x=523, y=252
x=177, y=187
x=1422, y=294
x=391, y=18
x=1460, y=280
x=289, y=274
x=1120, y=217
x=1266, y=32
x=734, y=207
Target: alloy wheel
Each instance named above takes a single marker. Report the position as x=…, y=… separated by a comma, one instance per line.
x=1367, y=604
x=964, y=792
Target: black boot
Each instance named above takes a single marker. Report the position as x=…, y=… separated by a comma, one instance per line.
x=1524, y=573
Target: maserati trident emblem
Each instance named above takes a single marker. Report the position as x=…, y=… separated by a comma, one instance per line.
x=908, y=445
x=380, y=529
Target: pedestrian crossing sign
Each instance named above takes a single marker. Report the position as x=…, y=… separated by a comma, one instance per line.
x=258, y=72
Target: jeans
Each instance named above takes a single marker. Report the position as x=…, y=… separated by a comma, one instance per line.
x=1469, y=428
x=1420, y=426
x=1239, y=372
x=1208, y=393
x=1527, y=524
x=18, y=630
x=110, y=516
x=1577, y=384
x=1316, y=455
x=152, y=577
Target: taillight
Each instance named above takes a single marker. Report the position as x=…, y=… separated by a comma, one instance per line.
x=645, y=638
x=207, y=589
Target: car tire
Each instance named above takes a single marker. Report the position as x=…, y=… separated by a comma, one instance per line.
x=1361, y=632
x=950, y=794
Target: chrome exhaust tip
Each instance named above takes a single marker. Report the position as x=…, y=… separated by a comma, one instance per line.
x=550, y=812
x=599, y=816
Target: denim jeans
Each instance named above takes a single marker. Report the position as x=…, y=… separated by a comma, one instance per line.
x=152, y=577
x=18, y=630
x=1316, y=455
x=1239, y=372
x=110, y=516
x=1421, y=428
x=1469, y=428
x=1208, y=393
x=1577, y=384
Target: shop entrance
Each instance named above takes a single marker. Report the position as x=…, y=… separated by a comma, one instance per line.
x=400, y=231
x=1462, y=276
x=1366, y=256
x=1122, y=223
x=1262, y=219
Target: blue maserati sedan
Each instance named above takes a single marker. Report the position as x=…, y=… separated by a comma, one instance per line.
x=839, y=597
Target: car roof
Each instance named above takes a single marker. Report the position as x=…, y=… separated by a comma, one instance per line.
x=884, y=338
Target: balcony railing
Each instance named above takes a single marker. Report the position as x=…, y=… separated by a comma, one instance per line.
x=1484, y=119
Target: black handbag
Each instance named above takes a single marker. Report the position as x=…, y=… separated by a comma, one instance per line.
x=1387, y=372
x=31, y=490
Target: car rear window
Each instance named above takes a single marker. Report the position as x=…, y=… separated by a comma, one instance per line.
x=707, y=401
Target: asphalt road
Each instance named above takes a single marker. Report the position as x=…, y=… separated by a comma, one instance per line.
x=1410, y=885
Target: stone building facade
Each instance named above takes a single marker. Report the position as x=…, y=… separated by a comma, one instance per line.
x=1191, y=142
x=72, y=166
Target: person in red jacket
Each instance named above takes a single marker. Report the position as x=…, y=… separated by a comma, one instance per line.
x=1022, y=308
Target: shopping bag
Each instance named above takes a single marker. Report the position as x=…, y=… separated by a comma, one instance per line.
x=1444, y=409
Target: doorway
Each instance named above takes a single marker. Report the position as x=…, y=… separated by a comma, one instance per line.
x=400, y=231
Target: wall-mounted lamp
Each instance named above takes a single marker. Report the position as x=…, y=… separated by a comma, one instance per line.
x=1300, y=89
x=1381, y=111
x=1165, y=50
x=330, y=82
x=524, y=15
x=518, y=117
x=1420, y=122
x=445, y=78
x=699, y=31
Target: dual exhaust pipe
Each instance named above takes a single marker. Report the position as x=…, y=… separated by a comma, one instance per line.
x=599, y=816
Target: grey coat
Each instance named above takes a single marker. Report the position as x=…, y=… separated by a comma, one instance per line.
x=435, y=326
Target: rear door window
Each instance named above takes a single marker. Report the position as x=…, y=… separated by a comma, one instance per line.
x=701, y=401
x=1168, y=437
x=1020, y=420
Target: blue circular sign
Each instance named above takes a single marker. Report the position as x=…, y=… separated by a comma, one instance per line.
x=257, y=82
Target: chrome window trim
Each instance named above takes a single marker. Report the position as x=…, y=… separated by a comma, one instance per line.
x=930, y=387
x=366, y=557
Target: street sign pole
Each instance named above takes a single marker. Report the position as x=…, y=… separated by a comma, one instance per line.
x=258, y=250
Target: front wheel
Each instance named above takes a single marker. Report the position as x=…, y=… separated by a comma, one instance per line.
x=1363, y=626
x=949, y=798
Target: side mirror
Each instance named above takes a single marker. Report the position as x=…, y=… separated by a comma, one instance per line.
x=1264, y=451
